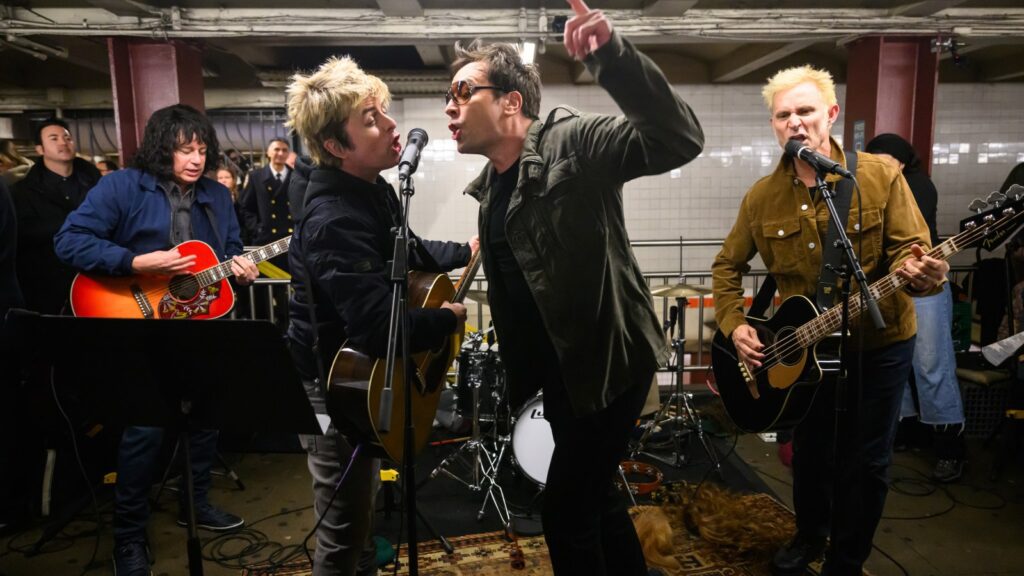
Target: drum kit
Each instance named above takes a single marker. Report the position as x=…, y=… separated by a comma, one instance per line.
x=501, y=434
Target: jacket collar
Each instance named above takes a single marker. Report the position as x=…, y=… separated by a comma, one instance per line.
x=787, y=169
x=333, y=180
x=532, y=165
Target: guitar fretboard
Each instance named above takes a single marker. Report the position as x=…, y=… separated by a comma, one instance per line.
x=467, y=278
x=221, y=271
x=831, y=320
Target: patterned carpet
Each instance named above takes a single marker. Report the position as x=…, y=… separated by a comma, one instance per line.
x=489, y=554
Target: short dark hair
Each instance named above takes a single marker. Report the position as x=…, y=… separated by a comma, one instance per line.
x=505, y=69
x=46, y=124
x=278, y=139
x=111, y=165
x=169, y=128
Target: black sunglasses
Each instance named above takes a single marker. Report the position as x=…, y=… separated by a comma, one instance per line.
x=462, y=91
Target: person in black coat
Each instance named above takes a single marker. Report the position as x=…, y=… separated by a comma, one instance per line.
x=265, y=197
x=51, y=190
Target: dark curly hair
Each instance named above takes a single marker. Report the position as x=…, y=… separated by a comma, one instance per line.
x=169, y=128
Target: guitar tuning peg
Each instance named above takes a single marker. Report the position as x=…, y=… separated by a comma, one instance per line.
x=996, y=198
x=1015, y=191
x=977, y=206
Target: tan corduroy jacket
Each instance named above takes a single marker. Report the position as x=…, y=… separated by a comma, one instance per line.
x=778, y=220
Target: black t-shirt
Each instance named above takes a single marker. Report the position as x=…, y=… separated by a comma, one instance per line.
x=507, y=286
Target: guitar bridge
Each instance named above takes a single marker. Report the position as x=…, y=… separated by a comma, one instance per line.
x=747, y=377
x=142, y=302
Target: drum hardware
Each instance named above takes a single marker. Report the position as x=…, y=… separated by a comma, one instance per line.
x=481, y=456
x=685, y=419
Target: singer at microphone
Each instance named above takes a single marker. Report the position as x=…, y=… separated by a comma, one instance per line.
x=819, y=162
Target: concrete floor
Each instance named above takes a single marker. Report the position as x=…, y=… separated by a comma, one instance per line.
x=981, y=534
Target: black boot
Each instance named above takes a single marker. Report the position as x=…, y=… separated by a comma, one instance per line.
x=950, y=452
x=793, y=558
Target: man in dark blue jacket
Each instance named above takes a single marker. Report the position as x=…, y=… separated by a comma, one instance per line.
x=338, y=256
x=129, y=224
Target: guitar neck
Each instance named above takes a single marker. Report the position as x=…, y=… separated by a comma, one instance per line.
x=462, y=286
x=215, y=274
x=831, y=320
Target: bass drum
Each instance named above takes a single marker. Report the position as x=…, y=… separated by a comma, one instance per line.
x=532, y=442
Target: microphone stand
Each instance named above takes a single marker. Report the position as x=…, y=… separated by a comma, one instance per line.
x=852, y=268
x=399, y=330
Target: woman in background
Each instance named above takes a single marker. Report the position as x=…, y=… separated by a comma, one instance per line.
x=933, y=393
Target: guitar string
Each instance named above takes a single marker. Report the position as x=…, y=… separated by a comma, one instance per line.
x=828, y=322
x=222, y=267
x=786, y=345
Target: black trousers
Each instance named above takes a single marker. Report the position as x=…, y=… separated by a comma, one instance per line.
x=586, y=520
x=866, y=450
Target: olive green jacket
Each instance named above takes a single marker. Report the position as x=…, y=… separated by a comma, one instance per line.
x=566, y=228
x=778, y=220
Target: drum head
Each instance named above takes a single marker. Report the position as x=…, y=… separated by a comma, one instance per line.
x=532, y=442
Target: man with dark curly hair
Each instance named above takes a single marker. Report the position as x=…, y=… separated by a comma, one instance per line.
x=130, y=223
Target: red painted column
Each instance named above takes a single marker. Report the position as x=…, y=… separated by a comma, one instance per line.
x=148, y=75
x=891, y=85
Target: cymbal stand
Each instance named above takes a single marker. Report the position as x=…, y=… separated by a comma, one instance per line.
x=685, y=419
x=474, y=454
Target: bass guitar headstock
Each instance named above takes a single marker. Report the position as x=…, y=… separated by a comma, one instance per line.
x=993, y=217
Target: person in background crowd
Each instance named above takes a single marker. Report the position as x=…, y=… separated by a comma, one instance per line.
x=106, y=166
x=51, y=190
x=783, y=218
x=562, y=280
x=130, y=224
x=239, y=160
x=265, y=197
x=227, y=175
x=933, y=391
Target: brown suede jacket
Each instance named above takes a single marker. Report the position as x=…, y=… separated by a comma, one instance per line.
x=778, y=220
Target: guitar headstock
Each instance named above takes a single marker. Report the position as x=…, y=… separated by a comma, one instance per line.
x=994, y=217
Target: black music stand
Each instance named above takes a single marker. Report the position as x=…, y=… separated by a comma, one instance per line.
x=179, y=375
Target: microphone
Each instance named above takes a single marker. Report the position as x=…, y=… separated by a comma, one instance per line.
x=670, y=324
x=414, y=144
x=819, y=162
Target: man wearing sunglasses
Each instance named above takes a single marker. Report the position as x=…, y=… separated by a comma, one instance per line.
x=570, y=306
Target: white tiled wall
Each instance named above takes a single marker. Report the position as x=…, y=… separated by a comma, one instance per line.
x=979, y=138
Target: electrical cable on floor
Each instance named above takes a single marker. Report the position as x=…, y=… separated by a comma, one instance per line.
x=81, y=469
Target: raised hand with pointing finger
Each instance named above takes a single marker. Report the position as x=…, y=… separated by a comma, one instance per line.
x=587, y=31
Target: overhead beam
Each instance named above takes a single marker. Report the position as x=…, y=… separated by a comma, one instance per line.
x=125, y=7
x=924, y=8
x=753, y=57
x=372, y=27
x=393, y=8
x=667, y=7
x=431, y=55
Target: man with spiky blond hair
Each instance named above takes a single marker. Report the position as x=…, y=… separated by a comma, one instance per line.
x=342, y=293
x=783, y=218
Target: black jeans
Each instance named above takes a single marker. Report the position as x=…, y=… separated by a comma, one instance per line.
x=866, y=450
x=586, y=520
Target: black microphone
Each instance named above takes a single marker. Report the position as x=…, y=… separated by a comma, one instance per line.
x=414, y=144
x=670, y=324
x=819, y=162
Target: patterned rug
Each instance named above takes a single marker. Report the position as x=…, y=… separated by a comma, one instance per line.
x=490, y=554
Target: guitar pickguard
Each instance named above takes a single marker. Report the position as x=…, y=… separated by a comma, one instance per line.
x=171, y=309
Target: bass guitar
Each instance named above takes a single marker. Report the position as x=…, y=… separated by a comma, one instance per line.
x=201, y=293
x=356, y=380
x=778, y=394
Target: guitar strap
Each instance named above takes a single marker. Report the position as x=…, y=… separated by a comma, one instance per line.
x=763, y=298
x=831, y=253
x=213, y=223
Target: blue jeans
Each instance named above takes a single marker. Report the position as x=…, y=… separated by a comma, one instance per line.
x=866, y=447
x=136, y=460
x=934, y=374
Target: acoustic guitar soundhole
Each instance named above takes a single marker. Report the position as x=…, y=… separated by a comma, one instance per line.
x=183, y=287
x=789, y=352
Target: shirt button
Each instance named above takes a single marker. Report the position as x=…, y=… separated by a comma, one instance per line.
x=272, y=202
x=803, y=207
x=273, y=230
x=274, y=216
x=811, y=245
x=856, y=226
x=290, y=230
x=782, y=232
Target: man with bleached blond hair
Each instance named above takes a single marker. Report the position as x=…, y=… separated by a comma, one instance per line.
x=783, y=218
x=342, y=292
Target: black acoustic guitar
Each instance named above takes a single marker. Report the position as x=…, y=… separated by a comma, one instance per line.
x=778, y=394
